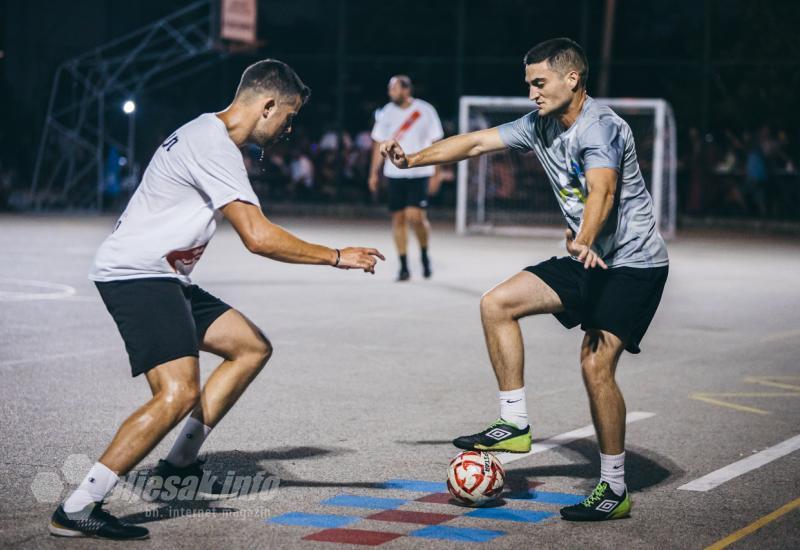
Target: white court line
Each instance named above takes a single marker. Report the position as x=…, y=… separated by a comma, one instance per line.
x=58, y=290
x=718, y=477
x=566, y=438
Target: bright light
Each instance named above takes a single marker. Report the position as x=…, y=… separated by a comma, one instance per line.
x=128, y=107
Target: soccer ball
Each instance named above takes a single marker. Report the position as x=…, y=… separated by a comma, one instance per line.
x=475, y=477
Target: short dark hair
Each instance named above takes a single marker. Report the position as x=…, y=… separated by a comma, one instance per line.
x=403, y=80
x=271, y=74
x=563, y=55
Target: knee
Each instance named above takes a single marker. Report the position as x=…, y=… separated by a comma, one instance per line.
x=258, y=350
x=179, y=398
x=399, y=218
x=494, y=306
x=414, y=217
x=596, y=370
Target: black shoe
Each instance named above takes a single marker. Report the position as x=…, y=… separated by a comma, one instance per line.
x=404, y=275
x=426, y=268
x=93, y=521
x=208, y=485
x=501, y=436
x=601, y=505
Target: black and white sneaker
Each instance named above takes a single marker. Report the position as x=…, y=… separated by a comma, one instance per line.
x=95, y=522
x=601, y=505
x=404, y=275
x=193, y=475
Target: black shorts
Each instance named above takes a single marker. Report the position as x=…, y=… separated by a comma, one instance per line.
x=405, y=192
x=620, y=300
x=160, y=319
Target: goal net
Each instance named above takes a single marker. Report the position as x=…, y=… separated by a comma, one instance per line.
x=508, y=192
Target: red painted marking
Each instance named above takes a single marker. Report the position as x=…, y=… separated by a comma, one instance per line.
x=436, y=498
x=404, y=516
x=353, y=536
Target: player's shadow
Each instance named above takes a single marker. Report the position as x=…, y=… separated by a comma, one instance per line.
x=249, y=465
x=643, y=468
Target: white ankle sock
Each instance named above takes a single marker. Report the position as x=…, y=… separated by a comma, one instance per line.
x=188, y=444
x=612, y=471
x=97, y=484
x=513, y=407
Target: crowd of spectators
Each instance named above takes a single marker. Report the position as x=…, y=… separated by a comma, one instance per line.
x=744, y=174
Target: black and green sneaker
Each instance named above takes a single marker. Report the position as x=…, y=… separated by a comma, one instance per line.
x=501, y=436
x=601, y=505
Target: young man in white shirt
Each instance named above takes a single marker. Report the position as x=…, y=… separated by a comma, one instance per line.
x=142, y=270
x=414, y=124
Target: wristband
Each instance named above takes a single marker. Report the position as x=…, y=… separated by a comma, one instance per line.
x=338, y=257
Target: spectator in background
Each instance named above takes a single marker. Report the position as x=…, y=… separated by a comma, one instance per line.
x=301, y=172
x=415, y=124
x=756, y=178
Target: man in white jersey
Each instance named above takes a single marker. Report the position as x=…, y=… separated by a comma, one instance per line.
x=414, y=124
x=142, y=271
x=611, y=282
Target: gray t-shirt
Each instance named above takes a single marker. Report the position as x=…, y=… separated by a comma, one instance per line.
x=598, y=139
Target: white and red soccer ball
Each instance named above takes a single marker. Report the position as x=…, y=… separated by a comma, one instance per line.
x=475, y=477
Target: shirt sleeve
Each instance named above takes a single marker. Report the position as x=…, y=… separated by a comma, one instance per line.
x=435, y=132
x=519, y=133
x=602, y=145
x=380, y=132
x=221, y=176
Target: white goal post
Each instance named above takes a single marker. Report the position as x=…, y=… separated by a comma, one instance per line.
x=508, y=193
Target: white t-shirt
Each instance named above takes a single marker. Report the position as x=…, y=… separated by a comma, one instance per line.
x=173, y=214
x=415, y=127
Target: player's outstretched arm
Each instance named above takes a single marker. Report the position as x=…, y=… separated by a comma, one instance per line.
x=448, y=150
x=264, y=238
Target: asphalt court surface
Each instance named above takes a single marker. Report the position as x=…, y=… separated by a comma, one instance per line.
x=371, y=379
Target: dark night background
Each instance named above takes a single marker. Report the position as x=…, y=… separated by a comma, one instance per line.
x=726, y=66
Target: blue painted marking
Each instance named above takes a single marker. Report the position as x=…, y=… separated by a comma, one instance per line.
x=373, y=503
x=507, y=514
x=460, y=534
x=544, y=497
x=415, y=485
x=314, y=520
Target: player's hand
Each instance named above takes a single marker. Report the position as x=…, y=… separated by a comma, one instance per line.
x=372, y=182
x=585, y=254
x=359, y=258
x=391, y=150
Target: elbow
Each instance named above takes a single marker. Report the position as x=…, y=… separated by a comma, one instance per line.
x=259, y=243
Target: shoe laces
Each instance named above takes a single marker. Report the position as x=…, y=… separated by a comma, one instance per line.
x=596, y=495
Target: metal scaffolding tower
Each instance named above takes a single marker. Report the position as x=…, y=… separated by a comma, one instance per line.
x=70, y=164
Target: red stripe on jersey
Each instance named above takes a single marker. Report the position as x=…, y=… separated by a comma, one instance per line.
x=409, y=122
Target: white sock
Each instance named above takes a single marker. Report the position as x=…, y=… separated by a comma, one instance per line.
x=612, y=471
x=96, y=486
x=513, y=407
x=188, y=444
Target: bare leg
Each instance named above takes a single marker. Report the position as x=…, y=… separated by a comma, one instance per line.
x=400, y=232
x=176, y=390
x=419, y=223
x=245, y=350
x=600, y=352
x=501, y=308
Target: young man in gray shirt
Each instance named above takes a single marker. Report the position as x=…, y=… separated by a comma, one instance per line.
x=611, y=282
